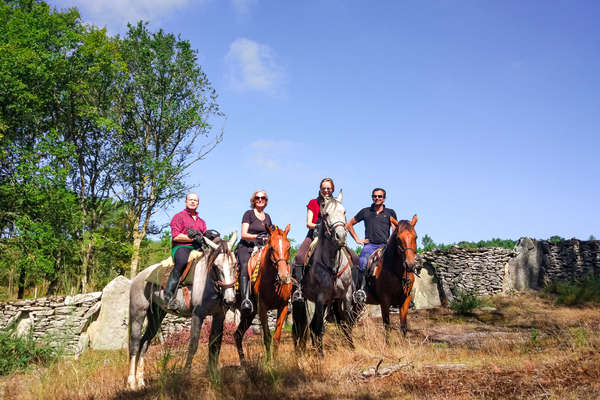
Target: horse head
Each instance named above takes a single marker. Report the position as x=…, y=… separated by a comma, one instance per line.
x=280, y=252
x=333, y=215
x=406, y=239
x=223, y=263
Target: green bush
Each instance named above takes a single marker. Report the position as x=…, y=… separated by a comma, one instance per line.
x=19, y=352
x=465, y=302
x=576, y=292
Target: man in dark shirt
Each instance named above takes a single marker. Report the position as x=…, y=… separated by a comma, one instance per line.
x=377, y=231
x=187, y=229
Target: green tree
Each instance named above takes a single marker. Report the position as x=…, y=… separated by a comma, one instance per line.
x=165, y=106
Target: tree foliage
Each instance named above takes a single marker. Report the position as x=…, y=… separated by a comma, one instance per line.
x=96, y=134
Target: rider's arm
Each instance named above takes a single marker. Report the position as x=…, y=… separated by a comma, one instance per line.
x=178, y=231
x=245, y=235
x=309, y=219
x=183, y=238
x=350, y=227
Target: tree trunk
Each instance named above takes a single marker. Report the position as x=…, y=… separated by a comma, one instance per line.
x=85, y=265
x=135, y=256
x=21, y=284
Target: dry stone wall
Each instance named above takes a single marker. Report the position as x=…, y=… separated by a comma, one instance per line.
x=64, y=321
x=58, y=321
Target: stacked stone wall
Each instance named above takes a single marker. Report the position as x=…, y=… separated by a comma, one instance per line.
x=481, y=271
x=58, y=321
x=569, y=260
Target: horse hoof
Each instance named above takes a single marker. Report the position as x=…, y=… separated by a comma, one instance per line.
x=131, y=384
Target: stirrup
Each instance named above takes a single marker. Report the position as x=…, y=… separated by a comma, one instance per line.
x=172, y=304
x=246, y=305
x=297, y=296
x=359, y=296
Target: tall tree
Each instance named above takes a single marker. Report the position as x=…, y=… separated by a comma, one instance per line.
x=166, y=105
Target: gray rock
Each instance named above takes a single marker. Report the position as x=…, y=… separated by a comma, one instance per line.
x=109, y=331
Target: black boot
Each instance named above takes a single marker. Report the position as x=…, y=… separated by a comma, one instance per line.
x=299, y=274
x=245, y=292
x=172, y=283
x=359, y=295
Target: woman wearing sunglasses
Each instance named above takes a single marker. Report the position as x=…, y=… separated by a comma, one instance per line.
x=254, y=233
x=377, y=231
x=326, y=189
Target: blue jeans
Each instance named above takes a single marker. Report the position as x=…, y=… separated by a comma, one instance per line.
x=366, y=253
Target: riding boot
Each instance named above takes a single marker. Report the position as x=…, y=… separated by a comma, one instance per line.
x=299, y=274
x=359, y=295
x=246, y=305
x=172, y=283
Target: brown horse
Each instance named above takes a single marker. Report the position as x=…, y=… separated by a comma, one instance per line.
x=394, y=273
x=271, y=290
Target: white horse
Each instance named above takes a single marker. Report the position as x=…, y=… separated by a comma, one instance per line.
x=212, y=294
x=329, y=279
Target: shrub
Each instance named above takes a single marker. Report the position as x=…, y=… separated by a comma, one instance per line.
x=19, y=352
x=465, y=302
x=576, y=292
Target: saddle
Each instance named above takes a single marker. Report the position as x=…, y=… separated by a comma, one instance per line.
x=160, y=275
x=253, y=264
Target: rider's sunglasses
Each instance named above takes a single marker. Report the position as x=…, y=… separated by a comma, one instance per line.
x=326, y=189
x=260, y=198
x=377, y=196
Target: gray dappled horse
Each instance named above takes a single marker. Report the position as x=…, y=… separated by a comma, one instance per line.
x=329, y=279
x=212, y=294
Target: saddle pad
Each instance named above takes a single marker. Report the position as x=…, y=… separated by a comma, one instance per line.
x=253, y=263
x=160, y=275
x=374, y=261
x=310, y=251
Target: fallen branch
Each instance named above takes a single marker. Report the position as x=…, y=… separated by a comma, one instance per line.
x=383, y=372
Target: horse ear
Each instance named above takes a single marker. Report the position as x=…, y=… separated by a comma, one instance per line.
x=393, y=221
x=414, y=220
x=340, y=196
x=232, y=240
x=210, y=243
x=287, y=229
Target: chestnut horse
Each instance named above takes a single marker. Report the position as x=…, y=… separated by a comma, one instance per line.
x=271, y=290
x=394, y=274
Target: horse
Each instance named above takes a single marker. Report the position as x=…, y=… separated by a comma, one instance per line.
x=212, y=294
x=394, y=273
x=271, y=290
x=328, y=281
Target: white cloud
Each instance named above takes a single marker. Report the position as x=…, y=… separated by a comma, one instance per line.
x=114, y=14
x=242, y=7
x=269, y=153
x=253, y=66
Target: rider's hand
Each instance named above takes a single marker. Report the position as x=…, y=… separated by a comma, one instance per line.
x=199, y=239
x=363, y=242
x=192, y=233
x=261, y=239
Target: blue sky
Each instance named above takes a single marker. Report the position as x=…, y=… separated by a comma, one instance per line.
x=481, y=117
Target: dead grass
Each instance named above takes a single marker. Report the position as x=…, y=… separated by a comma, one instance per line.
x=526, y=348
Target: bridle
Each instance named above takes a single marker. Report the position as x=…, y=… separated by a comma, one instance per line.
x=276, y=262
x=219, y=283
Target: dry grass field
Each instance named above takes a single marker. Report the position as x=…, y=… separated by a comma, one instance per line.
x=523, y=346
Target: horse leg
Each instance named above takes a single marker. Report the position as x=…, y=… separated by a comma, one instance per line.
x=214, y=344
x=344, y=311
x=282, y=314
x=264, y=322
x=245, y=322
x=299, y=326
x=385, y=318
x=404, y=315
x=135, y=335
x=155, y=317
x=317, y=327
x=197, y=320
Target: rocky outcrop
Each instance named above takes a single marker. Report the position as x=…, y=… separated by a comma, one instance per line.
x=110, y=330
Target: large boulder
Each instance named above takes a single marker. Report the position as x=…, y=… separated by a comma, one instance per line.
x=110, y=330
x=523, y=271
x=425, y=289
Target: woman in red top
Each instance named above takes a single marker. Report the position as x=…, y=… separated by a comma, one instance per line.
x=326, y=188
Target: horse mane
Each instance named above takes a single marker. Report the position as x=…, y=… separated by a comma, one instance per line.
x=390, y=253
x=214, y=253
